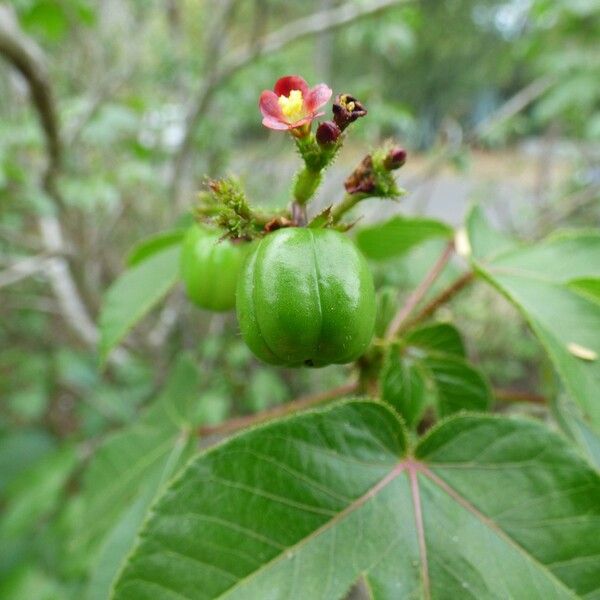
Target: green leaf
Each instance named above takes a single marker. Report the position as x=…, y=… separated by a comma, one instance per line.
x=563, y=257
x=458, y=385
x=398, y=235
x=153, y=244
x=587, y=287
x=431, y=367
x=403, y=385
x=301, y=508
x=19, y=450
x=485, y=241
x=36, y=492
x=575, y=426
x=128, y=459
x=537, y=279
x=119, y=541
x=438, y=337
x=134, y=294
x=46, y=18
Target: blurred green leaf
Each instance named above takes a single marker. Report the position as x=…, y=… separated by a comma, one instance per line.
x=31, y=582
x=46, y=18
x=30, y=403
x=484, y=240
x=129, y=458
x=153, y=244
x=588, y=287
x=121, y=537
x=19, y=450
x=134, y=294
x=266, y=389
x=36, y=492
x=398, y=235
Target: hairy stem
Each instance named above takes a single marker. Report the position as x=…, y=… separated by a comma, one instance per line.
x=348, y=203
x=306, y=184
x=518, y=396
x=443, y=297
x=278, y=411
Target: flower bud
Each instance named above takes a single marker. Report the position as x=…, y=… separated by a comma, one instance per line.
x=395, y=158
x=346, y=109
x=328, y=133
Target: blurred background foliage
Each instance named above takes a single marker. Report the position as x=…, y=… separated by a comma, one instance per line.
x=497, y=101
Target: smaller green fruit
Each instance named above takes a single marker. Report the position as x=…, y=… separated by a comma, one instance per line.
x=210, y=268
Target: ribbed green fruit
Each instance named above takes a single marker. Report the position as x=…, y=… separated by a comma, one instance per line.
x=210, y=268
x=306, y=297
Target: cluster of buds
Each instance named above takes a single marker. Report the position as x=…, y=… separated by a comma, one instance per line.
x=346, y=110
x=373, y=175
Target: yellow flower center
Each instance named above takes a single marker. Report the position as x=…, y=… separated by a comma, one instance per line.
x=292, y=106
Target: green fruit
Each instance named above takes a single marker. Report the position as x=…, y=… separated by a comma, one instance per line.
x=306, y=297
x=210, y=268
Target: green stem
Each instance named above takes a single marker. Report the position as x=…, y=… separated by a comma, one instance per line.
x=348, y=203
x=307, y=182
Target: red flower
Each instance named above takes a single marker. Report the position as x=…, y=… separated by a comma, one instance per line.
x=292, y=104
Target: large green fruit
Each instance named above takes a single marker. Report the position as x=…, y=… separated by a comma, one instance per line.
x=306, y=297
x=210, y=268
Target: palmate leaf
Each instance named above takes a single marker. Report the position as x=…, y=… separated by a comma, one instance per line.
x=483, y=507
x=553, y=284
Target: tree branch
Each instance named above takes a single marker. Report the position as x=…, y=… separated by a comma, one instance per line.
x=21, y=269
x=319, y=22
x=29, y=60
x=514, y=105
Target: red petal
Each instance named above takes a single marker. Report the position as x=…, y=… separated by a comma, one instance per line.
x=273, y=123
x=317, y=96
x=286, y=84
x=269, y=107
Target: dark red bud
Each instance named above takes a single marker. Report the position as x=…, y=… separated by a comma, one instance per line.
x=395, y=158
x=346, y=109
x=328, y=133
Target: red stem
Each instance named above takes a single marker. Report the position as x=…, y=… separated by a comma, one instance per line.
x=305, y=402
x=399, y=321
